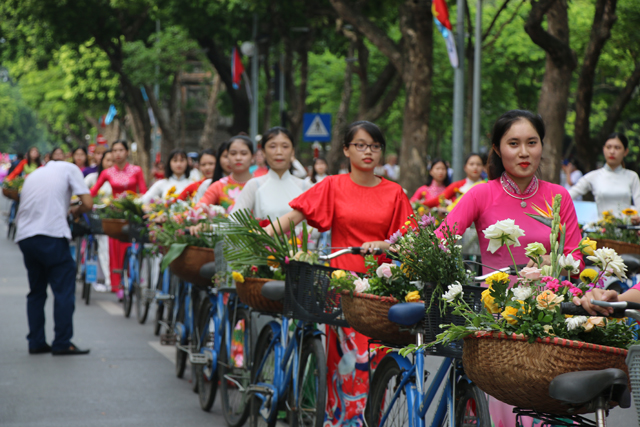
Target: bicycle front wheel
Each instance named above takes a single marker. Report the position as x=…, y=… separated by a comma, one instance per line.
x=234, y=370
x=472, y=408
x=312, y=386
x=142, y=303
x=206, y=374
x=127, y=286
x=382, y=388
x=263, y=374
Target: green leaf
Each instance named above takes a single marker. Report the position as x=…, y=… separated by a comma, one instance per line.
x=173, y=253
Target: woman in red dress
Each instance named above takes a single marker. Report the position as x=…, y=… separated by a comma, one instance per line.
x=123, y=177
x=362, y=209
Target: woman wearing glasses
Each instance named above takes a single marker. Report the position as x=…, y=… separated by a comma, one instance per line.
x=361, y=209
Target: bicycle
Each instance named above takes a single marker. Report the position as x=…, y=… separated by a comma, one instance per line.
x=593, y=390
x=11, y=220
x=289, y=368
x=133, y=264
x=397, y=394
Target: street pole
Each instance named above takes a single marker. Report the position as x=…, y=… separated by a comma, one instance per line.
x=477, y=89
x=156, y=92
x=458, y=98
x=254, y=82
x=281, y=91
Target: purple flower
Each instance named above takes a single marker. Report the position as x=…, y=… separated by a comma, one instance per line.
x=394, y=238
x=426, y=220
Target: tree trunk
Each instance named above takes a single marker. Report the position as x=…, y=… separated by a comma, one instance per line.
x=560, y=63
x=268, y=96
x=588, y=148
x=211, y=121
x=416, y=23
x=336, y=156
x=297, y=95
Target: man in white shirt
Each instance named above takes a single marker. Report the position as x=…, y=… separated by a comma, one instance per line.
x=43, y=236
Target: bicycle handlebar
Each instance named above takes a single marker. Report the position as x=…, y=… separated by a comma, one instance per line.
x=620, y=309
x=355, y=250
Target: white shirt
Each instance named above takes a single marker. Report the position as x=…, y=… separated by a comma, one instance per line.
x=45, y=198
x=468, y=184
x=575, y=177
x=202, y=189
x=160, y=188
x=393, y=171
x=269, y=195
x=91, y=180
x=612, y=189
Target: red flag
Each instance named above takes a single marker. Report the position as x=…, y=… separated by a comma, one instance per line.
x=441, y=13
x=236, y=68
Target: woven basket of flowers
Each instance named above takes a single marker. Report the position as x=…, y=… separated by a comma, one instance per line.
x=114, y=229
x=518, y=372
x=367, y=314
x=249, y=290
x=187, y=265
x=11, y=194
x=619, y=247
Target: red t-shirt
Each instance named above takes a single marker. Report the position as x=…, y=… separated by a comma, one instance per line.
x=355, y=214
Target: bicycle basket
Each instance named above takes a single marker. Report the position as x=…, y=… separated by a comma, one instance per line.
x=633, y=362
x=139, y=233
x=435, y=317
x=88, y=223
x=307, y=295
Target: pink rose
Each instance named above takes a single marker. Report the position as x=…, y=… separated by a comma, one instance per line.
x=362, y=285
x=530, y=273
x=384, y=270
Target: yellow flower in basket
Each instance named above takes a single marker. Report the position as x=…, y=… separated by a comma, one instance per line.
x=413, y=296
x=509, y=313
x=547, y=300
x=630, y=212
x=338, y=274
x=421, y=210
x=588, y=275
x=238, y=277
x=588, y=246
x=497, y=278
x=271, y=262
x=489, y=302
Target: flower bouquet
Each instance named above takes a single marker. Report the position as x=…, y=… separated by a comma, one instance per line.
x=519, y=340
x=11, y=188
x=612, y=232
x=118, y=212
x=255, y=258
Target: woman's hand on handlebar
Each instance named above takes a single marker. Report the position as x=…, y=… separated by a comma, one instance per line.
x=600, y=295
x=370, y=247
x=546, y=260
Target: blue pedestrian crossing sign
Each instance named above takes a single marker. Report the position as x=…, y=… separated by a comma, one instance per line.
x=316, y=127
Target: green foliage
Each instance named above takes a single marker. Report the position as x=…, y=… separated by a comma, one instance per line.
x=19, y=126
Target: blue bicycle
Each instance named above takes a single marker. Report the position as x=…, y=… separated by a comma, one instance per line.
x=398, y=395
x=134, y=264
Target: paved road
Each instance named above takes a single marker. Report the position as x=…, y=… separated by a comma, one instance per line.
x=127, y=380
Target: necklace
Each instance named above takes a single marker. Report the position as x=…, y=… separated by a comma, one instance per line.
x=531, y=190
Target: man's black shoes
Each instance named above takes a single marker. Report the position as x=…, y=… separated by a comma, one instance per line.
x=72, y=350
x=40, y=350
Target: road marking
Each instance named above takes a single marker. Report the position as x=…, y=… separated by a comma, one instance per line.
x=168, y=351
x=111, y=307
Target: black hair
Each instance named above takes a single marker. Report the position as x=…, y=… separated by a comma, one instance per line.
x=37, y=159
x=275, y=131
x=218, y=173
x=120, y=141
x=247, y=141
x=208, y=151
x=86, y=155
x=502, y=126
x=372, y=129
x=175, y=153
x=446, y=180
x=19, y=156
x=53, y=150
x=100, y=166
x=313, y=169
x=466, y=159
x=621, y=136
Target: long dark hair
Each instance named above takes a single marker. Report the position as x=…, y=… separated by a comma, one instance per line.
x=176, y=153
x=208, y=151
x=86, y=155
x=275, y=131
x=446, y=180
x=101, y=165
x=502, y=126
x=36, y=160
x=120, y=141
x=53, y=150
x=218, y=173
x=621, y=136
x=314, y=175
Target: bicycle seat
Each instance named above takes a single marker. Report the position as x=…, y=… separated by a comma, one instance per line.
x=584, y=386
x=406, y=313
x=273, y=290
x=208, y=270
x=632, y=261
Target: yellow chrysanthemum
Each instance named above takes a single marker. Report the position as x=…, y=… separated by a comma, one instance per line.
x=238, y=277
x=413, y=296
x=588, y=275
x=497, y=278
x=607, y=214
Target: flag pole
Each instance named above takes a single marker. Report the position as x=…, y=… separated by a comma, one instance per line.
x=254, y=80
x=477, y=89
x=458, y=98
